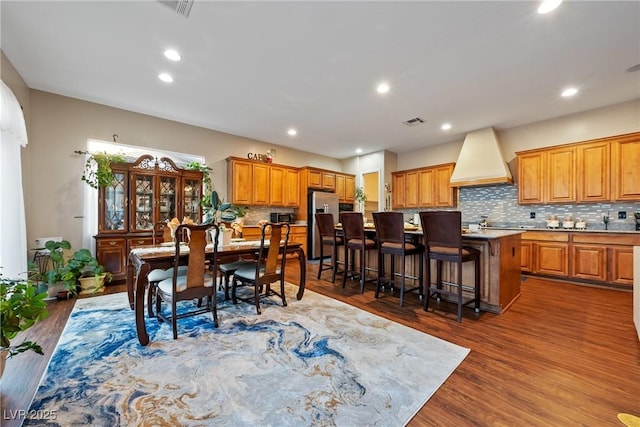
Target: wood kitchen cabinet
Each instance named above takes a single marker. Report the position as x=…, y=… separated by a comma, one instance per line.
x=297, y=234
x=580, y=256
x=320, y=179
x=423, y=187
x=145, y=193
x=599, y=170
x=253, y=183
x=594, y=172
x=625, y=167
x=345, y=188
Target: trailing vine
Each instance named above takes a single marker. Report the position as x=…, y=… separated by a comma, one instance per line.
x=97, y=169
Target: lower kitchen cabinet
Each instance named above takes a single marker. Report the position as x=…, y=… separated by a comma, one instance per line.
x=297, y=234
x=594, y=258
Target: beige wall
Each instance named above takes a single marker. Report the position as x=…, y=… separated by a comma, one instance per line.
x=613, y=120
x=59, y=125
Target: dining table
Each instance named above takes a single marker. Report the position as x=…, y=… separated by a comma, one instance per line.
x=143, y=259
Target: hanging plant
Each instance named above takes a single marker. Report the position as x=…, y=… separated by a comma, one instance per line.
x=97, y=169
x=205, y=202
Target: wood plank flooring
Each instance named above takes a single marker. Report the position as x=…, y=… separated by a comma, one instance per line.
x=562, y=355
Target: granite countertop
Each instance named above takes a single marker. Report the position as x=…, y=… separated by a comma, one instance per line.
x=527, y=228
x=483, y=234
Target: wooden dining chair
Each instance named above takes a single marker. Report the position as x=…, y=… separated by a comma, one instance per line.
x=195, y=284
x=442, y=232
x=355, y=240
x=268, y=268
x=328, y=238
x=391, y=240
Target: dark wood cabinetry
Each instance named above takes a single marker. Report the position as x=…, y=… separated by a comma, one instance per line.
x=144, y=194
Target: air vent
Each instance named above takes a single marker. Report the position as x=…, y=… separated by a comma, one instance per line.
x=414, y=122
x=182, y=7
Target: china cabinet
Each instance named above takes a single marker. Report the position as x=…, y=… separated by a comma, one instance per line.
x=143, y=195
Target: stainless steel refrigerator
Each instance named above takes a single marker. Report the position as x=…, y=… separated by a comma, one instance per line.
x=318, y=201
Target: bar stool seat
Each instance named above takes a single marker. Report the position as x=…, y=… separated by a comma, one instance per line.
x=392, y=241
x=443, y=242
x=328, y=237
x=355, y=240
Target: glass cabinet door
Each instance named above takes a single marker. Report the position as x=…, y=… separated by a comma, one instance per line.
x=114, y=207
x=142, y=203
x=192, y=189
x=167, y=198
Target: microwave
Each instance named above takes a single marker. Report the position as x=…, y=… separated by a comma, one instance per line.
x=282, y=217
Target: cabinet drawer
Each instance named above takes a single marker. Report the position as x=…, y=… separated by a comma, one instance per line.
x=134, y=242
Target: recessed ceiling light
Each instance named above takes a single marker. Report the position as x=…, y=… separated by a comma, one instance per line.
x=292, y=132
x=570, y=91
x=548, y=5
x=445, y=126
x=165, y=77
x=358, y=150
x=172, y=55
x=383, y=88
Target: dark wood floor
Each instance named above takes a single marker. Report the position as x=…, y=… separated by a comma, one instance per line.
x=563, y=355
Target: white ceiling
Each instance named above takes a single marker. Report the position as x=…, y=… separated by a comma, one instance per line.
x=256, y=68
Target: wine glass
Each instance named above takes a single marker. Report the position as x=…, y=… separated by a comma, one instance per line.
x=605, y=219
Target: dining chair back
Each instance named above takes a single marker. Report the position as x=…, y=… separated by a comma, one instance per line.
x=392, y=241
x=355, y=240
x=328, y=237
x=268, y=268
x=195, y=284
x=442, y=232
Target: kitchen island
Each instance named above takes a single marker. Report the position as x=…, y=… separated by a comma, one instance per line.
x=500, y=261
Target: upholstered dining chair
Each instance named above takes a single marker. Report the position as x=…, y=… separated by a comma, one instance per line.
x=328, y=238
x=157, y=275
x=195, y=284
x=268, y=268
x=442, y=232
x=355, y=240
x=392, y=241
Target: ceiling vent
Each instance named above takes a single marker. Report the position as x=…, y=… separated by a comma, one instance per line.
x=182, y=7
x=414, y=122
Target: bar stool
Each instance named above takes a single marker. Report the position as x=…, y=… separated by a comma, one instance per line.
x=328, y=237
x=443, y=242
x=392, y=241
x=355, y=240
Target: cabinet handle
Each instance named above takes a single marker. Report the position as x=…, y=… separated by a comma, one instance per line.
x=140, y=242
x=112, y=243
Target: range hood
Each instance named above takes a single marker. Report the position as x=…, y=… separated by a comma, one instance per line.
x=481, y=161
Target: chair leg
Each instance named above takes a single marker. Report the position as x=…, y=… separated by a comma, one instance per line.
x=150, y=297
x=256, y=293
x=174, y=320
x=402, y=279
x=234, y=285
x=459, y=292
x=282, y=295
x=321, y=263
x=380, y=272
x=362, y=270
x=214, y=307
x=346, y=267
x=334, y=262
x=427, y=284
x=477, y=286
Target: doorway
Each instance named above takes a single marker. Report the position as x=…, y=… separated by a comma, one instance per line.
x=370, y=185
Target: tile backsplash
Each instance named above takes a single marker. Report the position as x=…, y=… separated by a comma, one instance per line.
x=499, y=204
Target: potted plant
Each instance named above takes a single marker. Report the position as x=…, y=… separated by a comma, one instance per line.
x=360, y=197
x=97, y=169
x=22, y=305
x=80, y=265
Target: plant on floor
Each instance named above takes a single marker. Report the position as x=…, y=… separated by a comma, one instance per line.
x=22, y=305
x=97, y=169
x=68, y=271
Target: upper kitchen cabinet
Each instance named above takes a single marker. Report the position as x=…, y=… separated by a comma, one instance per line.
x=600, y=170
x=547, y=176
x=594, y=172
x=626, y=167
x=253, y=183
x=320, y=179
x=345, y=187
x=423, y=187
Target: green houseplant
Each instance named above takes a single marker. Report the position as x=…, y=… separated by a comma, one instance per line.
x=97, y=169
x=22, y=305
x=223, y=212
x=68, y=271
x=361, y=197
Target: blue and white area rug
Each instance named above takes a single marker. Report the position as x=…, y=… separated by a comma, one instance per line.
x=317, y=361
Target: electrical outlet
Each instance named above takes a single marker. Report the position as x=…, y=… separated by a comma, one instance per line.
x=532, y=215
x=622, y=215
